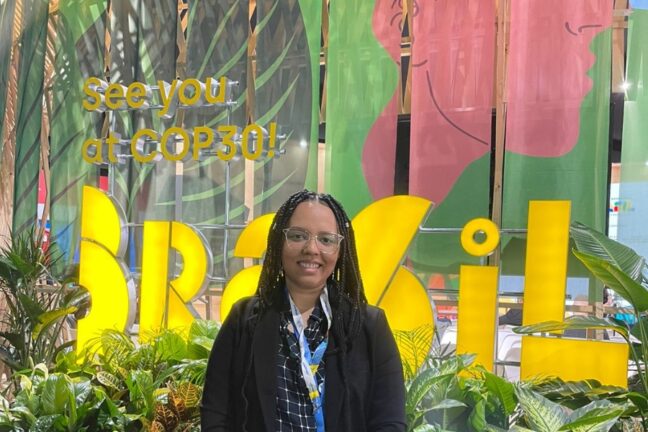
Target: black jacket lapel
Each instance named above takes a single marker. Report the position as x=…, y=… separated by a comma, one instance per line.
x=265, y=343
x=334, y=393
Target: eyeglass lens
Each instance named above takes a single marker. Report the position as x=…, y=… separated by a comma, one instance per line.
x=326, y=242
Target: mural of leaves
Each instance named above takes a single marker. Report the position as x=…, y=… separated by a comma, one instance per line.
x=284, y=91
x=7, y=10
x=143, y=49
x=80, y=31
x=28, y=113
x=217, y=46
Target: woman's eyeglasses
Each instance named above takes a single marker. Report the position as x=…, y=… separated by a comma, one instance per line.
x=327, y=243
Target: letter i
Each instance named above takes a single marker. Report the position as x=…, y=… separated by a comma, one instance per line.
x=476, y=321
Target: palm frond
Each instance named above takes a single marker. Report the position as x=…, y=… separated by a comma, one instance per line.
x=594, y=243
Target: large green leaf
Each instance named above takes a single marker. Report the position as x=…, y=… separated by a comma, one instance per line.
x=617, y=280
x=577, y=391
x=594, y=243
x=170, y=346
x=423, y=384
x=201, y=338
x=503, y=390
x=477, y=418
x=82, y=390
x=640, y=328
x=45, y=320
x=56, y=393
x=577, y=322
x=597, y=416
x=447, y=403
x=48, y=423
x=541, y=414
x=206, y=328
x=141, y=387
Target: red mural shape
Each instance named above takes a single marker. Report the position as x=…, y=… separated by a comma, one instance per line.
x=379, y=151
x=453, y=54
x=547, y=80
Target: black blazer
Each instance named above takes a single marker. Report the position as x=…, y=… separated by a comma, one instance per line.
x=242, y=372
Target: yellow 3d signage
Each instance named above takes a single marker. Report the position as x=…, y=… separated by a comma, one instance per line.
x=167, y=303
x=163, y=303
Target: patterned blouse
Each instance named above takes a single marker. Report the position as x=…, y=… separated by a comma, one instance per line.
x=294, y=407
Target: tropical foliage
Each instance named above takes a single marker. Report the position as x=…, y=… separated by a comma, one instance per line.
x=452, y=395
x=37, y=302
x=116, y=385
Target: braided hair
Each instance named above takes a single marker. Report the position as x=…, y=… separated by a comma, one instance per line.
x=346, y=291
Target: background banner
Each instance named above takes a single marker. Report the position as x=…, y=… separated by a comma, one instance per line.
x=558, y=108
x=287, y=92
x=633, y=213
x=29, y=111
x=7, y=11
x=80, y=47
x=362, y=78
x=224, y=53
x=453, y=58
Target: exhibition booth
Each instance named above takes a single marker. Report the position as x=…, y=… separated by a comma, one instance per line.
x=490, y=155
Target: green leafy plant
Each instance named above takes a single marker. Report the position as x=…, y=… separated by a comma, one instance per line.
x=116, y=385
x=159, y=382
x=37, y=303
x=414, y=347
x=543, y=415
x=58, y=402
x=577, y=394
x=449, y=394
x=453, y=395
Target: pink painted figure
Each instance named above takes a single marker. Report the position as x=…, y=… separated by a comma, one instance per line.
x=547, y=72
x=453, y=53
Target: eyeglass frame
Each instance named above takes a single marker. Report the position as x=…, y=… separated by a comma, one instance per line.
x=312, y=236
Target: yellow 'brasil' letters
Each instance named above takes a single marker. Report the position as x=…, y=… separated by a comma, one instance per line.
x=101, y=272
x=387, y=283
x=167, y=304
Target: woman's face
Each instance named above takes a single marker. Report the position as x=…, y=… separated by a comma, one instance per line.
x=305, y=267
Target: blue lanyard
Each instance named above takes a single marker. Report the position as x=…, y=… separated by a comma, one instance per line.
x=310, y=361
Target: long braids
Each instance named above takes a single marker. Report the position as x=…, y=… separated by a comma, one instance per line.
x=347, y=272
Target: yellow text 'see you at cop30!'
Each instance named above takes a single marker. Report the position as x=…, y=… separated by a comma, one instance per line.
x=227, y=142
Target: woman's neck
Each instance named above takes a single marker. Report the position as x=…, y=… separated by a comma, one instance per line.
x=305, y=300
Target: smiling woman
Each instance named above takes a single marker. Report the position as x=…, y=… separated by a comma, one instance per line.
x=306, y=353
